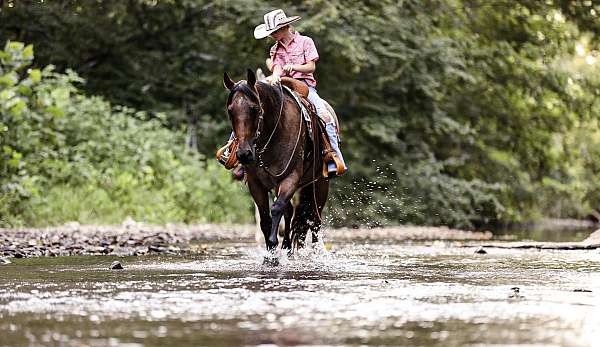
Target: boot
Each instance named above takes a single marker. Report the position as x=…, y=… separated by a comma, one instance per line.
x=332, y=169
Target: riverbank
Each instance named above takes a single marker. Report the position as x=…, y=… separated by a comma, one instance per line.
x=134, y=238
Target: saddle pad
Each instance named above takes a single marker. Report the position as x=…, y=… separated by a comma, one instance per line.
x=303, y=109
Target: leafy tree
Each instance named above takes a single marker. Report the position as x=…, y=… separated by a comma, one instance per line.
x=66, y=156
x=462, y=112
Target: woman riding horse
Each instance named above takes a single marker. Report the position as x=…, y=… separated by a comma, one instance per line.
x=278, y=154
x=271, y=140
x=294, y=55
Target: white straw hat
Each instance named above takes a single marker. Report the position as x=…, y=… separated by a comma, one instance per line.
x=274, y=20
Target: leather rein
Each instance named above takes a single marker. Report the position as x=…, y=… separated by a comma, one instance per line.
x=259, y=129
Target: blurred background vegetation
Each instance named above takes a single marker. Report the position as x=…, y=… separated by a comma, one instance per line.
x=466, y=113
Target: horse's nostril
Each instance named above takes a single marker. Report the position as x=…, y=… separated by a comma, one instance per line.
x=245, y=156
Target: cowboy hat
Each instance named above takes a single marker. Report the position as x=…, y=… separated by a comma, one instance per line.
x=274, y=20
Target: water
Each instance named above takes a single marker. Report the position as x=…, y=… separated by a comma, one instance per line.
x=357, y=294
x=547, y=234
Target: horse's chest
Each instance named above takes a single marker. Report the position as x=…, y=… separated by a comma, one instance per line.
x=267, y=181
x=260, y=175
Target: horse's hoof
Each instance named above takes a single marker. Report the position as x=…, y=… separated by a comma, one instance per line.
x=271, y=261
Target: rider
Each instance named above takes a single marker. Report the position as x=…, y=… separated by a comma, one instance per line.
x=295, y=55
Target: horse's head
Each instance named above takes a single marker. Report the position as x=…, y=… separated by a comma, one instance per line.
x=245, y=112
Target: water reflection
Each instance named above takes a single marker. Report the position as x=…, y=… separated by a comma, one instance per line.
x=377, y=294
x=547, y=233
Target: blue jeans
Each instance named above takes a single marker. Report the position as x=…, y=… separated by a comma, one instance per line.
x=322, y=111
x=316, y=100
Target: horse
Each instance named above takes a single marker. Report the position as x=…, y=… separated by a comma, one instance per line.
x=279, y=156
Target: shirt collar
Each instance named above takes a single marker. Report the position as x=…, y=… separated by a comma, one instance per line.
x=294, y=37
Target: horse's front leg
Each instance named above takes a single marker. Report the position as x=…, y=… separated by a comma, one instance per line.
x=288, y=213
x=260, y=194
x=285, y=191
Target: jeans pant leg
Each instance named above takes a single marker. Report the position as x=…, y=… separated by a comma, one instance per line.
x=316, y=100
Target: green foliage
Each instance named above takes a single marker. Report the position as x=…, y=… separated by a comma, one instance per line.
x=66, y=157
x=199, y=196
x=462, y=112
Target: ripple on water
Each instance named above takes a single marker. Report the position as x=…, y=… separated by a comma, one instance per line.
x=372, y=293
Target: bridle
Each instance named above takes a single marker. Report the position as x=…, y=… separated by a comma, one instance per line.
x=259, y=129
x=261, y=113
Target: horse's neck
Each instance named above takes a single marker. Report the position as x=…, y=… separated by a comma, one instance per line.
x=281, y=133
x=272, y=100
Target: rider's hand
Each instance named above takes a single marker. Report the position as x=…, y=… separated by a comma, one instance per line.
x=274, y=79
x=288, y=68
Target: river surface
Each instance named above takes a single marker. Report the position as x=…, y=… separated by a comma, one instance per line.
x=419, y=294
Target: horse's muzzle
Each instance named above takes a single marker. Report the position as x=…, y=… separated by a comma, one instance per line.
x=245, y=156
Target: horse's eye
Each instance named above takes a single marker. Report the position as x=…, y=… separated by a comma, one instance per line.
x=255, y=109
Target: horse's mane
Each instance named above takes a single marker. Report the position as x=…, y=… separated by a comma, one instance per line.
x=266, y=92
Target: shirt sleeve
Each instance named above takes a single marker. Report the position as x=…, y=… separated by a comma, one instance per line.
x=310, y=50
x=277, y=59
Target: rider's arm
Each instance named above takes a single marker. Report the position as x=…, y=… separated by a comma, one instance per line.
x=277, y=73
x=269, y=63
x=276, y=65
x=305, y=68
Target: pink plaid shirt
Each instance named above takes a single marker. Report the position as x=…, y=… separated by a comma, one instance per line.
x=300, y=50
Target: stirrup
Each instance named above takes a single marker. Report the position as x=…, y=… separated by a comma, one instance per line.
x=340, y=168
x=226, y=155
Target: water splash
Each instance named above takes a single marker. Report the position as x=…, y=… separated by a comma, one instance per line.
x=379, y=294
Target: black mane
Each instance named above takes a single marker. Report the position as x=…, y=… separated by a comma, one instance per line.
x=267, y=94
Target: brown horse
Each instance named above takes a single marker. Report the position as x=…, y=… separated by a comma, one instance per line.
x=279, y=156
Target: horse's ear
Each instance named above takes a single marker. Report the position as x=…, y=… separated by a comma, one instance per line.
x=227, y=82
x=251, y=78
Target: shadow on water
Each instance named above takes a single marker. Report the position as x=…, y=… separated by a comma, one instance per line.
x=367, y=294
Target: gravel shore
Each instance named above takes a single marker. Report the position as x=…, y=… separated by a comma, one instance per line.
x=134, y=238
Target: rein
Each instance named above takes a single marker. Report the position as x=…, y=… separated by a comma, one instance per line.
x=263, y=149
x=315, y=177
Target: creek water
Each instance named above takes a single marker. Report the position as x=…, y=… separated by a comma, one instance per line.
x=423, y=294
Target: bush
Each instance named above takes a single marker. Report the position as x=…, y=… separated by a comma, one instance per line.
x=70, y=157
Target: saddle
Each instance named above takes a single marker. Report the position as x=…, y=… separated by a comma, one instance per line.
x=328, y=153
